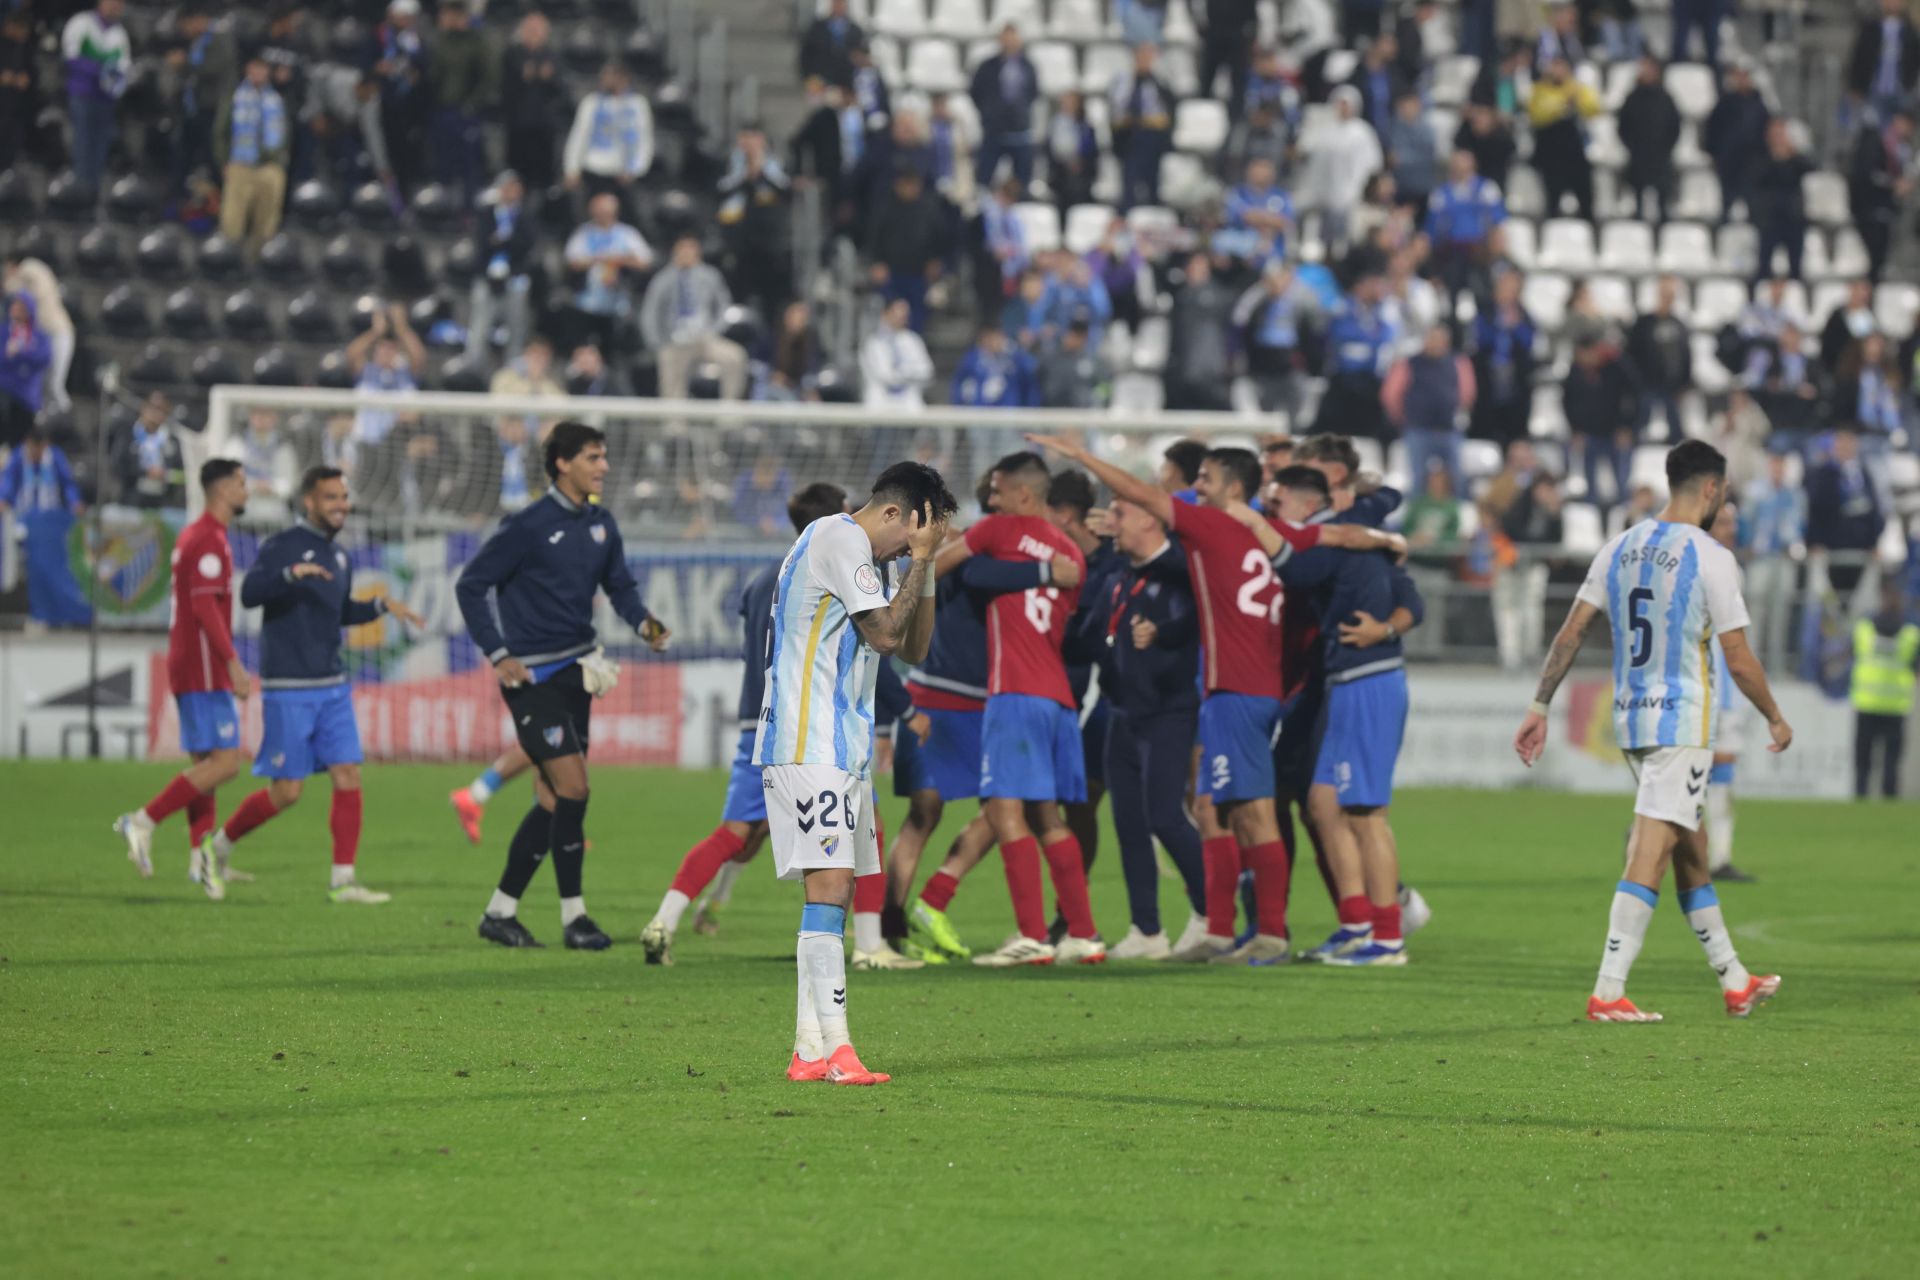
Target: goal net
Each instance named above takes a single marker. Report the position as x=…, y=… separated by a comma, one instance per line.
x=700, y=489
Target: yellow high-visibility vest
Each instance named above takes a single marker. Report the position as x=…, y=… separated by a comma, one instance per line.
x=1883, y=669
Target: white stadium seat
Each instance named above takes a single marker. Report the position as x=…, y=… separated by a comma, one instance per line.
x=1185, y=182
x=1691, y=85
x=1453, y=80
x=1893, y=306
x=1056, y=66
x=1646, y=291
x=1086, y=226
x=1138, y=394
x=1698, y=198
x=1686, y=249
x=958, y=19
x=1582, y=529
x=1101, y=65
x=1718, y=302
x=1604, y=148
x=1849, y=260
x=1200, y=126
x=1612, y=297
x=1738, y=250
x=1545, y=298
x=1526, y=198
x=906, y=19
x=1548, y=421
x=933, y=66
x=1814, y=264
x=1826, y=195
x=1566, y=244
x=1828, y=297
x=1179, y=31
x=1620, y=81
x=1181, y=70
x=1081, y=20
x=1521, y=246
x=887, y=60
x=1626, y=247
x=978, y=51
x=1026, y=15
x=1041, y=223
x=1152, y=344
x=1709, y=375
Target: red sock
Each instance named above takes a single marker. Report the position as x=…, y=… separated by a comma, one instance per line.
x=1270, y=871
x=1222, y=857
x=704, y=860
x=1021, y=858
x=869, y=893
x=1356, y=912
x=940, y=890
x=253, y=811
x=344, y=822
x=175, y=796
x=1386, y=923
x=200, y=818
x=1069, y=873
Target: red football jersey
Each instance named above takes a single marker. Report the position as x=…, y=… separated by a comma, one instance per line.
x=200, y=637
x=1025, y=628
x=1239, y=598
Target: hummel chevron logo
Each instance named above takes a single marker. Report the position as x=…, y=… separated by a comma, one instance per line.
x=1696, y=774
x=840, y=995
x=1613, y=944
x=805, y=806
x=1701, y=934
x=1693, y=788
x=1721, y=969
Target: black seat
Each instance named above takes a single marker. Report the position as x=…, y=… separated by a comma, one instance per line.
x=39, y=241
x=16, y=197
x=671, y=106
x=124, y=313
x=436, y=209
x=742, y=325
x=335, y=372
x=835, y=389
x=585, y=49
x=100, y=255
x=345, y=263
x=461, y=374
x=310, y=319
x=641, y=53
x=372, y=206
x=69, y=199
x=185, y=315
x=315, y=205
x=674, y=215
x=463, y=261
x=162, y=253
x=556, y=213
x=154, y=364
x=428, y=312
x=365, y=308
x=245, y=316
x=221, y=259
x=347, y=41
x=132, y=201
x=404, y=265
x=275, y=368
x=281, y=260
x=214, y=366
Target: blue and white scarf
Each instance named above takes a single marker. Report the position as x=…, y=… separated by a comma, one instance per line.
x=151, y=445
x=259, y=124
x=39, y=485
x=513, y=476
x=616, y=123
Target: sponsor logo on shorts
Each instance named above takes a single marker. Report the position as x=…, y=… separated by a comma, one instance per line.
x=226, y=729
x=554, y=736
x=1343, y=775
x=279, y=758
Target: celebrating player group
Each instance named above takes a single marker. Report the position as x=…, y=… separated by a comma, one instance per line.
x=1218, y=650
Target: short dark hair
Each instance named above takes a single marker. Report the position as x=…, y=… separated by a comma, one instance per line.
x=214, y=470
x=1239, y=464
x=983, y=490
x=1304, y=479
x=815, y=501
x=1693, y=460
x=915, y=485
x=1027, y=468
x=1071, y=489
x=1186, y=457
x=565, y=442
x=313, y=477
x=1329, y=448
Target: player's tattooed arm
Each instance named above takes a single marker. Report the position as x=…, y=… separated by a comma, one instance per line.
x=902, y=626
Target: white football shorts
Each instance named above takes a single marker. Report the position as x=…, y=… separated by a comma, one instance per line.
x=1673, y=783
x=819, y=817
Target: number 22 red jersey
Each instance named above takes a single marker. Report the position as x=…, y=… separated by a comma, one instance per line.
x=1026, y=628
x=1239, y=599
x=200, y=636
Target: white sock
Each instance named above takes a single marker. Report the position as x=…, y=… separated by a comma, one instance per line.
x=1719, y=825
x=140, y=819
x=1626, y=930
x=822, y=956
x=479, y=791
x=806, y=1027
x=571, y=909
x=866, y=931
x=342, y=874
x=502, y=907
x=222, y=845
x=672, y=907
x=721, y=890
x=1702, y=906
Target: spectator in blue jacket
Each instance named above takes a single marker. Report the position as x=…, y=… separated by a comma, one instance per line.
x=38, y=486
x=1501, y=345
x=1360, y=344
x=1259, y=214
x=1073, y=293
x=1004, y=90
x=23, y=368
x=995, y=374
x=1461, y=215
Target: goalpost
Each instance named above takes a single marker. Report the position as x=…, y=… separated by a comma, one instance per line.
x=700, y=490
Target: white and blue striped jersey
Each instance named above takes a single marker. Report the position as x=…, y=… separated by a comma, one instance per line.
x=1668, y=590
x=818, y=705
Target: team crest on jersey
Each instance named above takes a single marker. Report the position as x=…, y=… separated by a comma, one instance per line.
x=340, y=557
x=553, y=736
x=829, y=845
x=599, y=533
x=866, y=579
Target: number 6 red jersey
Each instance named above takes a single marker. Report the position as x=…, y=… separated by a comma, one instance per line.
x=1239, y=598
x=1025, y=628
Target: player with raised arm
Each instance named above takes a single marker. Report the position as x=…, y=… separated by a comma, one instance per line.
x=206, y=677
x=527, y=598
x=303, y=584
x=1239, y=603
x=1668, y=590
x=833, y=624
x=1030, y=750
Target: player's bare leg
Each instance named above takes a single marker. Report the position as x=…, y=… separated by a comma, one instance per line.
x=470, y=801
x=1342, y=846
x=191, y=790
x=726, y=842
x=940, y=941
x=822, y=1047
x=1254, y=827
x=1649, y=850
x=1020, y=855
x=1692, y=876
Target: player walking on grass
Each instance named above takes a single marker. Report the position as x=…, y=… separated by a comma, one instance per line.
x=470, y=802
x=833, y=624
x=538, y=575
x=1668, y=590
x=206, y=677
x=1030, y=749
x=303, y=584
x=1239, y=603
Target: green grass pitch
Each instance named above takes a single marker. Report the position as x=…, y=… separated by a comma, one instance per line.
x=274, y=1085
